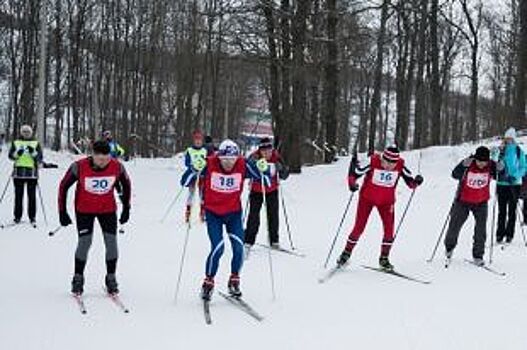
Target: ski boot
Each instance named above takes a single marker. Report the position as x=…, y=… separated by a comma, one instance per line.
x=234, y=286
x=33, y=222
x=112, y=287
x=385, y=264
x=275, y=245
x=207, y=288
x=343, y=258
x=187, y=214
x=77, y=284
x=479, y=262
x=16, y=221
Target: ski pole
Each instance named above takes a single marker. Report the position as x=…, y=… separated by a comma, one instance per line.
x=5, y=189
x=404, y=214
x=518, y=210
x=172, y=204
x=184, y=252
x=440, y=236
x=246, y=208
x=286, y=217
x=271, y=271
x=338, y=229
x=53, y=232
x=492, y=229
x=182, y=261
x=409, y=200
x=42, y=205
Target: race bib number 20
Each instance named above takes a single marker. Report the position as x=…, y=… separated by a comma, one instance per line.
x=99, y=185
x=385, y=178
x=226, y=183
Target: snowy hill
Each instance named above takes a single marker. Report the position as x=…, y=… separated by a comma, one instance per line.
x=464, y=308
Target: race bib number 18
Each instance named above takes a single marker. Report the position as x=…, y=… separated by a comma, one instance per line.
x=225, y=183
x=99, y=185
x=385, y=178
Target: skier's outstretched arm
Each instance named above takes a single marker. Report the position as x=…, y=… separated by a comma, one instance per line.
x=411, y=181
x=126, y=185
x=72, y=175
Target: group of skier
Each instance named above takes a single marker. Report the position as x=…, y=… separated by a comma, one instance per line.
x=215, y=177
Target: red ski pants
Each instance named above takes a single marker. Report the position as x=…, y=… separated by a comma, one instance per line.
x=363, y=213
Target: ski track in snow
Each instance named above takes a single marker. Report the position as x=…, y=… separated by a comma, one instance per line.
x=463, y=308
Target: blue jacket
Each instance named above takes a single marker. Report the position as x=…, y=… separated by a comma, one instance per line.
x=513, y=158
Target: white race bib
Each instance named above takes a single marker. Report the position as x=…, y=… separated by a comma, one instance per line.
x=99, y=185
x=385, y=178
x=226, y=183
x=477, y=181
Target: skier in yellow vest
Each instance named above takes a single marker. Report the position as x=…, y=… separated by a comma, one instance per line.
x=26, y=154
x=195, y=157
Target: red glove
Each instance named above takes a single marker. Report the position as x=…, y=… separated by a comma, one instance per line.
x=352, y=184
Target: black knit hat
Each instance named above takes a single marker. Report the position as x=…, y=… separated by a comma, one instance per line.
x=101, y=147
x=482, y=154
x=265, y=143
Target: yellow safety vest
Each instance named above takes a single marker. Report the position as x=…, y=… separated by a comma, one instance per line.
x=26, y=160
x=196, y=153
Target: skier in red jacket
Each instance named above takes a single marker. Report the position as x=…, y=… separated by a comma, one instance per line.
x=474, y=175
x=96, y=178
x=279, y=171
x=378, y=190
x=223, y=176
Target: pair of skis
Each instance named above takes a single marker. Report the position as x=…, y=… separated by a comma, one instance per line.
x=391, y=272
x=237, y=302
x=482, y=267
x=13, y=224
x=282, y=250
x=114, y=298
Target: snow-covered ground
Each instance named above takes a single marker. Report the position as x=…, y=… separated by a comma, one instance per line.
x=464, y=308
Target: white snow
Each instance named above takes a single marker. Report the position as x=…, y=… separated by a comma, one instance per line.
x=464, y=308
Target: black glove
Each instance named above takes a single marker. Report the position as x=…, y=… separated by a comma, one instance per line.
x=419, y=180
x=125, y=215
x=30, y=149
x=283, y=172
x=64, y=218
x=353, y=187
x=20, y=152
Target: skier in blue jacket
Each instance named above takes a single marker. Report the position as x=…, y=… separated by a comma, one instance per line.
x=509, y=184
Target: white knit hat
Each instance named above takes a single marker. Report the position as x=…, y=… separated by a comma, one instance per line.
x=26, y=129
x=510, y=133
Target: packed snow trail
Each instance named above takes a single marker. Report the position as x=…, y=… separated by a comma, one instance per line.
x=464, y=308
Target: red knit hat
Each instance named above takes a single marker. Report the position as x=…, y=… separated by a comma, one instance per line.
x=391, y=154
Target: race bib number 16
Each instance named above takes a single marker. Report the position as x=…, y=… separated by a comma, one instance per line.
x=99, y=185
x=226, y=183
x=385, y=178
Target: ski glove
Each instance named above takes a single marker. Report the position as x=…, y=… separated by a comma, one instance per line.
x=20, y=151
x=468, y=162
x=495, y=153
x=419, y=180
x=199, y=164
x=262, y=165
x=125, y=215
x=30, y=149
x=64, y=218
x=353, y=186
x=283, y=171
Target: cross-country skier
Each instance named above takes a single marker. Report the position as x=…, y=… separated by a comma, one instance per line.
x=195, y=158
x=378, y=191
x=116, y=150
x=279, y=171
x=26, y=154
x=96, y=177
x=223, y=176
x=509, y=184
x=474, y=175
